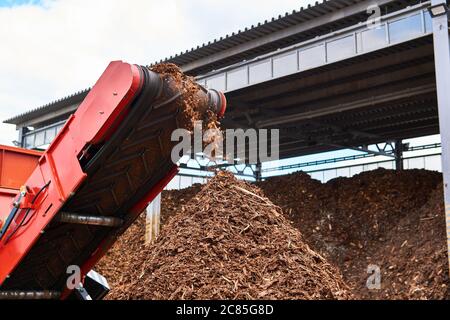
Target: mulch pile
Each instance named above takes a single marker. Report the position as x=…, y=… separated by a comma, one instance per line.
x=414, y=256
x=172, y=201
x=131, y=243
x=394, y=220
x=227, y=242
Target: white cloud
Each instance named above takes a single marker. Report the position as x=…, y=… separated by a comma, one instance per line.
x=49, y=51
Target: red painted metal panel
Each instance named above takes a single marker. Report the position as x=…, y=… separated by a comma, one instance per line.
x=16, y=165
x=101, y=112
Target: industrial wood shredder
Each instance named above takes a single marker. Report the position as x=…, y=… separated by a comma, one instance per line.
x=67, y=206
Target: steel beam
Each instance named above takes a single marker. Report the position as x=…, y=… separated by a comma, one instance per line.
x=369, y=163
x=333, y=108
x=75, y=218
x=22, y=132
x=342, y=88
x=369, y=151
x=372, y=64
x=284, y=33
x=398, y=155
x=258, y=171
x=442, y=65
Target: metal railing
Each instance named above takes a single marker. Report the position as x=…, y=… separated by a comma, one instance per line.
x=400, y=26
x=42, y=137
x=346, y=158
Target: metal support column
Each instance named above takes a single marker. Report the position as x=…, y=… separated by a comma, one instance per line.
x=258, y=171
x=398, y=155
x=442, y=66
x=153, y=220
x=22, y=132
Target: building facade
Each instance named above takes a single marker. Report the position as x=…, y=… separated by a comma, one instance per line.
x=343, y=74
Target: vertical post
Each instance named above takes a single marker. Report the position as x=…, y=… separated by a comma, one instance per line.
x=398, y=155
x=442, y=66
x=258, y=173
x=153, y=220
x=22, y=132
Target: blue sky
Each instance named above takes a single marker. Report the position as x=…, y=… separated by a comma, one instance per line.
x=12, y=3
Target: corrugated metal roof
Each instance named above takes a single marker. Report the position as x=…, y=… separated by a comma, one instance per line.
x=49, y=107
x=236, y=39
x=259, y=30
x=276, y=24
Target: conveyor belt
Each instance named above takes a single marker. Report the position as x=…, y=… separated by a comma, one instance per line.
x=121, y=171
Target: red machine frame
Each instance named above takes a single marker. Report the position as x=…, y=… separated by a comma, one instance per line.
x=49, y=186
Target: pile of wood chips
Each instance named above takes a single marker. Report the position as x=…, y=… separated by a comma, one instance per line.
x=227, y=242
x=394, y=220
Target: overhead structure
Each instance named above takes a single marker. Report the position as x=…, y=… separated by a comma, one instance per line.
x=442, y=64
x=330, y=76
x=322, y=75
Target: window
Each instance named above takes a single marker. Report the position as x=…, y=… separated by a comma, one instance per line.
x=237, y=78
x=217, y=82
x=201, y=82
x=428, y=22
x=50, y=135
x=260, y=71
x=58, y=128
x=341, y=48
x=29, y=141
x=312, y=57
x=40, y=139
x=329, y=174
x=356, y=170
x=285, y=64
x=405, y=28
x=373, y=38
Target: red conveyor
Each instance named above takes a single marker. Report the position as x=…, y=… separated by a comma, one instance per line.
x=112, y=157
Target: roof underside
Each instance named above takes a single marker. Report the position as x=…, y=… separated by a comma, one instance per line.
x=265, y=37
x=382, y=96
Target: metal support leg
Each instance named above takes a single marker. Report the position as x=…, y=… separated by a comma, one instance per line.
x=153, y=220
x=442, y=66
x=398, y=155
x=81, y=293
